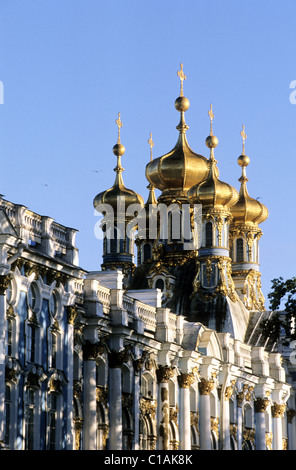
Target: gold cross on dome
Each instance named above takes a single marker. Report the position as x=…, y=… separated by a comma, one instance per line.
x=119, y=125
x=244, y=136
x=182, y=77
x=151, y=143
x=211, y=114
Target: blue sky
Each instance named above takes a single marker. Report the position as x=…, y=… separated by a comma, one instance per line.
x=68, y=67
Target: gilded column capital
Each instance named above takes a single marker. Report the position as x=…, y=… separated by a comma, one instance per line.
x=278, y=410
x=92, y=350
x=215, y=425
x=4, y=283
x=240, y=398
x=102, y=395
x=116, y=359
x=261, y=404
x=164, y=373
x=185, y=380
x=206, y=386
x=228, y=392
x=71, y=314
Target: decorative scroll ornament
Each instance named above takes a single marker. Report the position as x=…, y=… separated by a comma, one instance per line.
x=34, y=376
x=148, y=407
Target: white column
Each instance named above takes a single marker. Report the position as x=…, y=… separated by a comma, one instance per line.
x=136, y=405
x=72, y=313
x=90, y=405
x=226, y=423
x=239, y=401
x=205, y=388
x=239, y=427
x=115, y=409
x=115, y=400
x=278, y=410
x=261, y=405
x=4, y=282
x=164, y=373
x=185, y=380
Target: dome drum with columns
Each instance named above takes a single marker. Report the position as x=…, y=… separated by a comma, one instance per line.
x=219, y=270
x=118, y=249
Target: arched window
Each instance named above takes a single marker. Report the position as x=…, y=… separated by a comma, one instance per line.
x=175, y=224
x=101, y=373
x=159, y=284
x=194, y=438
x=247, y=445
x=29, y=419
x=233, y=444
x=126, y=380
x=52, y=421
x=32, y=296
x=214, y=440
x=113, y=241
x=102, y=430
x=209, y=234
x=76, y=366
x=31, y=343
x=10, y=328
x=127, y=430
x=147, y=390
x=239, y=250
x=7, y=413
x=54, y=350
x=144, y=434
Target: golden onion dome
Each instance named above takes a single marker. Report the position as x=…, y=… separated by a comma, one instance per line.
x=247, y=211
x=213, y=193
x=177, y=171
x=118, y=194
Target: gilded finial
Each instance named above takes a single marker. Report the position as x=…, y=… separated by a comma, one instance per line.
x=119, y=125
x=118, y=148
x=211, y=114
x=243, y=160
x=244, y=136
x=182, y=77
x=151, y=143
x=211, y=140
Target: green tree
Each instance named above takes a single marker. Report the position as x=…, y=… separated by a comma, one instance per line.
x=282, y=297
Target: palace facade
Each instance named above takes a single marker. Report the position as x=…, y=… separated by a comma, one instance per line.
x=160, y=349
